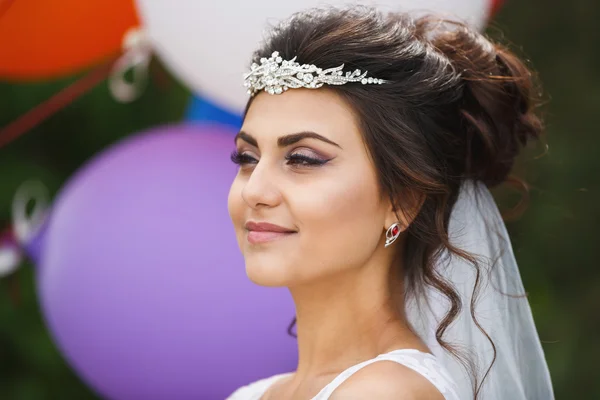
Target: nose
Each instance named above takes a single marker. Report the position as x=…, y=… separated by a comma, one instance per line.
x=260, y=189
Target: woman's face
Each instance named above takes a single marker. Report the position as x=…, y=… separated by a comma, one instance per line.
x=304, y=168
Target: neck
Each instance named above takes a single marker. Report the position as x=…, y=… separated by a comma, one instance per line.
x=348, y=318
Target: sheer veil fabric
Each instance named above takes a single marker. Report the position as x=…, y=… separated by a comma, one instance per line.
x=502, y=309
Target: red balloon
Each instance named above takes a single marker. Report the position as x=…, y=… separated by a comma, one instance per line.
x=496, y=6
x=51, y=38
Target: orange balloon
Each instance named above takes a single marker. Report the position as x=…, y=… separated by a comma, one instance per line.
x=51, y=38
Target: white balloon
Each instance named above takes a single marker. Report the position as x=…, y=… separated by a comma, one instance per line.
x=208, y=44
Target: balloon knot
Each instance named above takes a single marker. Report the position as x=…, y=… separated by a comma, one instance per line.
x=137, y=53
x=10, y=253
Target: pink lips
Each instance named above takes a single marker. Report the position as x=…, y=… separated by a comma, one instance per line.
x=263, y=232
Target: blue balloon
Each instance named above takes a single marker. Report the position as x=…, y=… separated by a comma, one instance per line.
x=203, y=110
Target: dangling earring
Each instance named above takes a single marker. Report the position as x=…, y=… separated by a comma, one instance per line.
x=392, y=234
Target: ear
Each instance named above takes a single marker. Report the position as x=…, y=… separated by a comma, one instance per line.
x=405, y=209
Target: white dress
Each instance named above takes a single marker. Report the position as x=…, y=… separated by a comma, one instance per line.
x=424, y=363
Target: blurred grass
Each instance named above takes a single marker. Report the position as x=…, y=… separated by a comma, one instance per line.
x=554, y=240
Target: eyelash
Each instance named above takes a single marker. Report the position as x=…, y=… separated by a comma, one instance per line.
x=293, y=159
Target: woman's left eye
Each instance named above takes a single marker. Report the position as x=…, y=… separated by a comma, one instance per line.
x=304, y=160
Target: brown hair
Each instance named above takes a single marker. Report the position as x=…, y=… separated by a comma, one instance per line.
x=458, y=107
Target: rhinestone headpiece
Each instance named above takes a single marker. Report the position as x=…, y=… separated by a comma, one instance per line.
x=276, y=75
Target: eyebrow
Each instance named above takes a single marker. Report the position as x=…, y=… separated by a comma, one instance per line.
x=286, y=140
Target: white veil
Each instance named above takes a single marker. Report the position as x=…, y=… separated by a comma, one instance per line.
x=520, y=371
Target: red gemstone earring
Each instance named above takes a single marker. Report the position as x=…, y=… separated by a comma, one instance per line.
x=392, y=234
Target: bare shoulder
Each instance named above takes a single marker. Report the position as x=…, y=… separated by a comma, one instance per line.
x=258, y=387
x=387, y=380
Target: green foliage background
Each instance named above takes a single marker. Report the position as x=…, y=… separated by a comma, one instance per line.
x=553, y=240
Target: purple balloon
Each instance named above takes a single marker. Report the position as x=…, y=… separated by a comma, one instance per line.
x=34, y=244
x=141, y=280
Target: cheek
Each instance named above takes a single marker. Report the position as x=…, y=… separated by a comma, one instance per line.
x=342, y=220
x=235, y=204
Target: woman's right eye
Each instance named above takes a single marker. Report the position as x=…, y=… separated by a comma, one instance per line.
x=242, y=158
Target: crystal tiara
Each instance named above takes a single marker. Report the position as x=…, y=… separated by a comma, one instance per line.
x=275, y=75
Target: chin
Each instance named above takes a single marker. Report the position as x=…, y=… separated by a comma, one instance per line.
x=270, y=270
x=266, y=276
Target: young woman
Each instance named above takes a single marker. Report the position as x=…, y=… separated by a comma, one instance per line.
x=365, y=155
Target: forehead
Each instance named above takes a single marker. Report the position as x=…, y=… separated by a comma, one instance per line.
x=318, y=110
